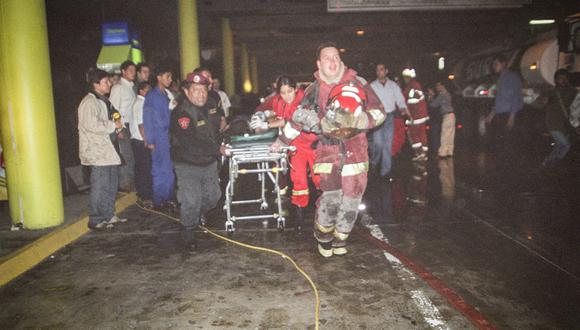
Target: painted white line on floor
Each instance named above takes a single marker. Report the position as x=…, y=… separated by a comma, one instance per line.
x=403, y=272
x=429, y=311
x=377, y=233
x=425, y=306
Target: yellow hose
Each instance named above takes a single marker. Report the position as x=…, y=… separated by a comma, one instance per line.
x=262, y=249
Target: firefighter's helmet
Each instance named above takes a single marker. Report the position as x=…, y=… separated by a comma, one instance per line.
x=408, y=72
x=348, y=97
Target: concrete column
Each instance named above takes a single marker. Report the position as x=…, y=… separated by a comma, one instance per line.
x=254, y=73
x=188, y=36
x=245, y=69
x=228, y=57
x=27, y=116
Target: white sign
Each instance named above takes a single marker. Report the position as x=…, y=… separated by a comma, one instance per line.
x=337, y=6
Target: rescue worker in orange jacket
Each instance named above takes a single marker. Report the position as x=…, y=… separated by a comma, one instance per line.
x=342, y=151
x=283, y=105
x=415, y=98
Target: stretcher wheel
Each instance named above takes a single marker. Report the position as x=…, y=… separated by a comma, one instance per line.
x=281, y=224
x=229, y=229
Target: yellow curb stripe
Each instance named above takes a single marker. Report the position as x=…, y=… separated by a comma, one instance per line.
x=24, y=259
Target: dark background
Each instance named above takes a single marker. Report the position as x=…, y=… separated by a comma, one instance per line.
x=283, y=34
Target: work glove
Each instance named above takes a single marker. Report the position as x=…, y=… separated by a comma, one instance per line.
x=328, y=126
x=347, y=119
x=258, y=116
x=308, y=119
x=330, y=114
x=258, y=121
x=258, y=124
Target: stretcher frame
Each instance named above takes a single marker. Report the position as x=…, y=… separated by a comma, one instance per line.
x=268, y=164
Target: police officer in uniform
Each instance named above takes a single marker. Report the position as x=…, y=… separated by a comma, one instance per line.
x=194, y=151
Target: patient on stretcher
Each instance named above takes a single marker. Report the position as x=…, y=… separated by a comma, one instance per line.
x=239, y=132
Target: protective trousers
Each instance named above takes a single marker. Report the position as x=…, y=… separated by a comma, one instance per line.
x=418, y=134
x=335, y=217
x=198, y=191
x=399, y=135
x=300, y=162
x=343, y=171
x=162, y=172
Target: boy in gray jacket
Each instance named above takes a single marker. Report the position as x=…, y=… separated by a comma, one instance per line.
x=99, y=128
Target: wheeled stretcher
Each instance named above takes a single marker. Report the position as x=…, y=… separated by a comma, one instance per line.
x=252, y=155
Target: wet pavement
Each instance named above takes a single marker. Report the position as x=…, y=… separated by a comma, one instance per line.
x=507, y=244
x=13, y=238
x=138, y=277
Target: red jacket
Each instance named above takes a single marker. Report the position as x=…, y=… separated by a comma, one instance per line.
x=417, y=106
x=285, y=111
x=355, y=160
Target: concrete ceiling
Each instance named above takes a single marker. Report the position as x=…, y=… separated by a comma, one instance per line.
x=284, y=34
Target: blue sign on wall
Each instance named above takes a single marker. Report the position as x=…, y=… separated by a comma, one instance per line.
x=115, y=33
x=136, y=40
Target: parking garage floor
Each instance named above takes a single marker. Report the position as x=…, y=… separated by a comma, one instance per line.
x=470, y=252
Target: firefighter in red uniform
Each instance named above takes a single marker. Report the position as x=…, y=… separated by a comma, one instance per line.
x=284, y=104
x=417, y=106
x=341, y=154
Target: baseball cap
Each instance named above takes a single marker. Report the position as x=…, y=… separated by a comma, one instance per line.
x=197, y=78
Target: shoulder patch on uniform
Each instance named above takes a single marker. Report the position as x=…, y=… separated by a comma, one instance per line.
x=184, y=122
x=212, y=111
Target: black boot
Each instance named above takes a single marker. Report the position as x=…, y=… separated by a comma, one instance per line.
x=299, y=218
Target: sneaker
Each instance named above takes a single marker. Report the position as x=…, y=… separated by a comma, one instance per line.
x=101, y=225
x=116, y=219
x=339, y=251
x=145, y=203
x=148, y=204
x=171, y=208
x=325, y=249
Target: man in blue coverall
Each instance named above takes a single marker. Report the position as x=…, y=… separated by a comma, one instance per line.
x=156, y=117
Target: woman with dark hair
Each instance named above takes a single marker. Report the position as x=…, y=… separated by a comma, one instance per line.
x=99, y=126
x=278, y=109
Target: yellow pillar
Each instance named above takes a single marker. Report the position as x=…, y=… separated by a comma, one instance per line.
x=27, y=116
x=245, y=68
x=254, y=73
x=188, y=36
x=228, y=57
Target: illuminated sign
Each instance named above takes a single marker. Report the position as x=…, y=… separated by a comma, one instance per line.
x=115, y=33
x=382, y=5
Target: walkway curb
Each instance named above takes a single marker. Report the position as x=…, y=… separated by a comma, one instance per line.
x=24, y=259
